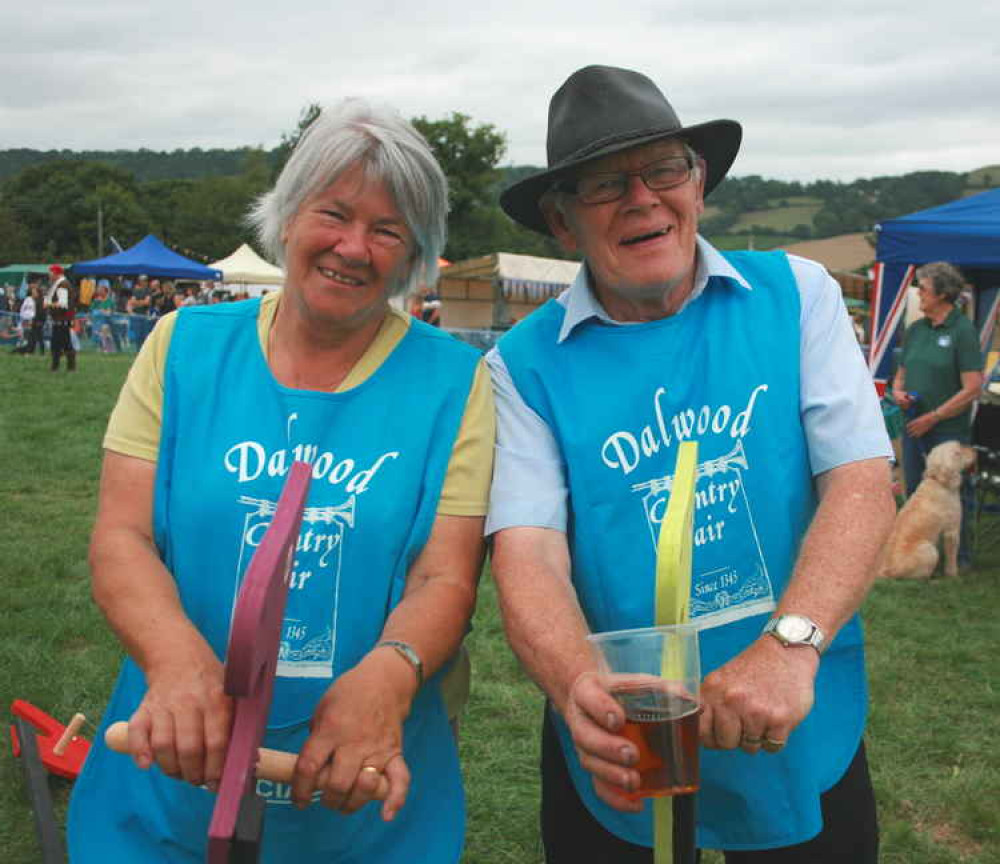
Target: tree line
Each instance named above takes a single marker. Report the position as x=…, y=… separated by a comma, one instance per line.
x=843, y=207
x=58, y=205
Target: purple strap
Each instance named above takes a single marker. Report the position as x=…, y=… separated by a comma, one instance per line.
x=252, y=657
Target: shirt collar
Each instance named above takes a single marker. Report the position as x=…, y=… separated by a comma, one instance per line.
x=949, y=319
x=582, y=304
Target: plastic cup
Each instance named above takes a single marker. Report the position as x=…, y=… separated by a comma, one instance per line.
x=654, y=674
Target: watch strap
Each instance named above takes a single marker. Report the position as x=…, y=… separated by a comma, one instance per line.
x=815, y=639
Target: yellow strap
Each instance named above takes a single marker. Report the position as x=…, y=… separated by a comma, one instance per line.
x=673, y=598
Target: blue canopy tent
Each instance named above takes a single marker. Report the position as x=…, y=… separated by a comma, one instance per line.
x=965, y=233
x=148, y=256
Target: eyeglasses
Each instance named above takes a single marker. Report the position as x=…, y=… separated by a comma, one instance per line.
x=612, y=185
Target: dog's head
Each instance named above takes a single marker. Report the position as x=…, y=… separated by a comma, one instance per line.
x=947, y=461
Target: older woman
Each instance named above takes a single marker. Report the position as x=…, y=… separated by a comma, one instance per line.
x=938, y=380
x=220, y=402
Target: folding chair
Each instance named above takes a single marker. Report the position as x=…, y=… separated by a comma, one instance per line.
x=986, y=480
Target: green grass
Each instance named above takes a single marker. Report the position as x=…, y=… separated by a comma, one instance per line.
x=731, y=242
x=779, y=218
x=935, y=716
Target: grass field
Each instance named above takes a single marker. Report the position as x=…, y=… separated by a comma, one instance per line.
x=779, y=218
x=932, y=655
x=733, y=242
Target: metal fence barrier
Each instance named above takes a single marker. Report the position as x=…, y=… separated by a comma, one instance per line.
x=116, y=333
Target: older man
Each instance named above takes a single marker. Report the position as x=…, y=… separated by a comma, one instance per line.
x=662, y=338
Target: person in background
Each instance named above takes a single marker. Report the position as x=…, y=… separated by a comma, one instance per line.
x=26, y=316
x=662, y=338
x=102, y=308
x=36, y=335
x=58, y=304
x=387, y=564
x=430, y=308
x=189, y=297
x=138, y=308
x=938, y=380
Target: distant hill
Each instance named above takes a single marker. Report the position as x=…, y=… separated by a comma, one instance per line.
x=987, y=177
x=144, y=164
x=173, y=189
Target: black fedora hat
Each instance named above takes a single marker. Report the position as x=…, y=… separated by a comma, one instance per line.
x=601, y=110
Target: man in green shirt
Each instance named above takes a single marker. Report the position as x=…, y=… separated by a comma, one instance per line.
x=939, y=378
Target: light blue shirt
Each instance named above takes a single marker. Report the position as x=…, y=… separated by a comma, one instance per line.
x=838, y=404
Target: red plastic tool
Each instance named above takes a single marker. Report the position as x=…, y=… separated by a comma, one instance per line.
x=237, y=822
x=61, y=750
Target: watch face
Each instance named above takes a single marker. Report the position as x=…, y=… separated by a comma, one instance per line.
x=794, y=628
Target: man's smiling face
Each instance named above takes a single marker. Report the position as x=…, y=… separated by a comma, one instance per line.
x=640, y=249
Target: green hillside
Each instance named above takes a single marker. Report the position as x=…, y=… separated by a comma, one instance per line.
x=779, y=218
x=987, y=177
x=62, y=204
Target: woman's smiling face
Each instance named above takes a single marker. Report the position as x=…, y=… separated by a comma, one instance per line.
x=346, y=249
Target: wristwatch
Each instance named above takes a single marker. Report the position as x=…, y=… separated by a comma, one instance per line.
x=792, y=630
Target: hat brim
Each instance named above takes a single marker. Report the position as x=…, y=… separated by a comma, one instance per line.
x=717, y=141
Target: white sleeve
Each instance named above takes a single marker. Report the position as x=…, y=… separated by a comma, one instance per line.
x=841, y=414
x=529, y=478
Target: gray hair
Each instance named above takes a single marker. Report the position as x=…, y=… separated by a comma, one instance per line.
x=946, y=279
x=390, y=151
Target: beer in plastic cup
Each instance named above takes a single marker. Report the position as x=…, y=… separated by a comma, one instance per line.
x=654, y=674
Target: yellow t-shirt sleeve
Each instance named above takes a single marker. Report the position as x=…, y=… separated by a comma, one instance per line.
x=134, y=427
x=466, y=489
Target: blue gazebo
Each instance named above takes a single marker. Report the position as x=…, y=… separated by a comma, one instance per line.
x=150, y=257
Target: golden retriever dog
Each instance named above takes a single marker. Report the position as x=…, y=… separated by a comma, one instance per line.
x=934, y=510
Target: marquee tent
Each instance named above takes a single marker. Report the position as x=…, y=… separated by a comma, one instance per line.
x=246, y=266
x=965, y=233
x=148, y=256
x=494, y=290
x=14, y=273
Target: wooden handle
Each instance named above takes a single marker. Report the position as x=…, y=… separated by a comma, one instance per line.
x=275, y=765
x=69, y=733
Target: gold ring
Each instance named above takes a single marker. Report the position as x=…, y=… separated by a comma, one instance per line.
x=749, y=739
x=772, y=746
x=371, y=769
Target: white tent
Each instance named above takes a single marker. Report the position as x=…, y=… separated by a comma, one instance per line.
x=249, y=272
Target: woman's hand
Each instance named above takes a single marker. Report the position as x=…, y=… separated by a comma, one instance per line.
x=920, y=426
x=357, y=730
x=184, y=720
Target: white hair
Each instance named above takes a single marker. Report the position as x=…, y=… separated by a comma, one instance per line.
x=390, y=151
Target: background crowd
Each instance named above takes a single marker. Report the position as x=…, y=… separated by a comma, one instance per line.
x=115, y=314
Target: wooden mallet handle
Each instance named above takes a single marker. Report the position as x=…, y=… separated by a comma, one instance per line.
x=69, y=733
x=274, y=765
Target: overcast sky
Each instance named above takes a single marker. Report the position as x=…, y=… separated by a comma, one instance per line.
x=838, y=90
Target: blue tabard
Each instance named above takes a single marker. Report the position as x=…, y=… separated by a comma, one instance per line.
x=618, y=399
x=380, y=453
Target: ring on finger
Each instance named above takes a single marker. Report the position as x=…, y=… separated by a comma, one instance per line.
x=752, y=740
x=772, y=745
x=370, y=769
